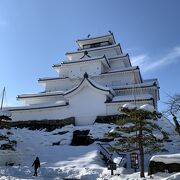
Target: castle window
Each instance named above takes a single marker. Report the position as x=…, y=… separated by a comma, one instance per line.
x=86, y=46
x=95, y=45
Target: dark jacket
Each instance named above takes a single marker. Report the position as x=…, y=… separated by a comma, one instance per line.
x=36, y=163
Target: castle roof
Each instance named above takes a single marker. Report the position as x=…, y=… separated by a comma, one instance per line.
x=92, y=84
x=40, y=106
x=85, y=81
x=84, y=60
x=96, y=49
x=105, y=38
x=42, y=94
x=123, y=70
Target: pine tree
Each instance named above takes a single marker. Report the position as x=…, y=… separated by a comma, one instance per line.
x=4, y=118
x=138, y=133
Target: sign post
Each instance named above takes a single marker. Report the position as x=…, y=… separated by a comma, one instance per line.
x=112, y=167
x=134, y=161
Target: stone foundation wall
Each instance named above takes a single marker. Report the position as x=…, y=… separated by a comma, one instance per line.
x=49, y=125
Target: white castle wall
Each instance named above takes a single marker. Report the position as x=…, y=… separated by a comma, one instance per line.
x=85, y=110
x=84, y=106
x=61, y=84
x=43, y=99
x=105, y=80
x=78, y=70
x=109, y=52
x=118, y=63
x=114, y=79
x=40, y=114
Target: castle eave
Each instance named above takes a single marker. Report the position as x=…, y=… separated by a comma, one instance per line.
x=45, y=94
x=89, y=40
x=95, y=49
x=40, y=107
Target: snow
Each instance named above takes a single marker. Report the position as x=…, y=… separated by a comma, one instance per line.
x=147, y=107
x=56, y=161
x=65, y=161
x=122, y=69
x=144, y=84
x=131, y=97
x=85, y=59
x=167, y=159
x=49, y=104
x=129, y=106
x=5, y=113
x=41, y=94
x=117, y=160
x=96, y=48
x=173, y=177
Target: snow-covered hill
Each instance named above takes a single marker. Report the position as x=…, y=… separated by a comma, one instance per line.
x=65, y=161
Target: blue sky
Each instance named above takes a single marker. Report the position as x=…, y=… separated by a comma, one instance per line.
x=34, y=35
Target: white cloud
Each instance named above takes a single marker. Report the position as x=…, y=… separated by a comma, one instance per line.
x=148, y=63
x=140, y=59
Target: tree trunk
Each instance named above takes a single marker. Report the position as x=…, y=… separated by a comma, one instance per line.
x=176, y=124
x=141, y=151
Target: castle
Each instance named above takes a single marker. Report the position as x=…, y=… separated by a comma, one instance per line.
x=93, y=81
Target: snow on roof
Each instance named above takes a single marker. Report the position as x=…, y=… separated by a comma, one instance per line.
x=150, y=80
x=51, y=93
x=144, y=84
x=131, y=97
x=51, y=78
x=39, y=106
x=123, y=69
x=117, y=160
x=129, y=106
x=147, y=107
x=92, y=83
x=96, y=37
x=85, y=60
x=119, y=56
x=5, y=113
x=167, y=159
x=94, y=49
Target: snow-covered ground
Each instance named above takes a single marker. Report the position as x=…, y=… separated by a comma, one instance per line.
x=65, y=161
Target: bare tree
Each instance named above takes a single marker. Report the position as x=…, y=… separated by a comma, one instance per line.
x=173, y=109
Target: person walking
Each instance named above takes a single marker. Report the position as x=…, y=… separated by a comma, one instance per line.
x=36, y=165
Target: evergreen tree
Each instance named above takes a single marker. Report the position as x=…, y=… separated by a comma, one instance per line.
x=138, y=132
x=4, y=117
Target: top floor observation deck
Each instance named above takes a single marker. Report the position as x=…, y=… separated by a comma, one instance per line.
x=98, y=41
